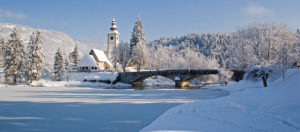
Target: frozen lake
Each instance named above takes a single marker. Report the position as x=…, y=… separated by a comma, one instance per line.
x=90, y=109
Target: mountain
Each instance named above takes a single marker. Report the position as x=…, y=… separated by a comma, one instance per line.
x=52, y=40
x=85, y=45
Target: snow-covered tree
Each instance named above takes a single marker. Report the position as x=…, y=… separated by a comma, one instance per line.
x=283, y=59
x=115, y=57
x=2, y=49
x=124, y=54
x=262, y=73
x=138, y=35
x=140, y=56
x=14, y=59
x=58, y=65
x=257, y=73
x=171, y=57
x=35, y=56
x=139, y=50
x=191, y=58
x=255, y=44
x=266, y=40
x=158, y=57
x=209, y=44
x=184, y=56
x=121, y=55
x=67, y=66
x=240, y=53
x=297, y=45
x=75, y=58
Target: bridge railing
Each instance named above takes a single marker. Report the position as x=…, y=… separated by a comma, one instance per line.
x=184, y=71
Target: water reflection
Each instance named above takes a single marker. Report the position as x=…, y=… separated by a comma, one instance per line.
x=166, y=87
x=154, y=87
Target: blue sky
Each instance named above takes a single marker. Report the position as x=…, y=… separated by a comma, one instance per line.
x=90, y=19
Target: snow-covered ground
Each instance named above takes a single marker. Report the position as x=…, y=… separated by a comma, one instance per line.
x=250, y=107
x=78, y=109
x=243, y=106
x=76, y=79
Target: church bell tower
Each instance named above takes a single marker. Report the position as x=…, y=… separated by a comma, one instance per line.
x=112, y=38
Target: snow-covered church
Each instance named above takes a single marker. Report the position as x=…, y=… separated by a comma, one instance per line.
x=96, y=59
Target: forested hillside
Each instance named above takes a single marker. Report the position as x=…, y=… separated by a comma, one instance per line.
x=255, y=44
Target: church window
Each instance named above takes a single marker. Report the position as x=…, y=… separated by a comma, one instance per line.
x=111, y=38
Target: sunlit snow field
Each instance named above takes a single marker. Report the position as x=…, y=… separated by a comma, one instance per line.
x=249, y=107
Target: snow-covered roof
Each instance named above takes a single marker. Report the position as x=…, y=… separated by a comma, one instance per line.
x=114, y=31
x=87, y=61
x=101, y=56
x=114, y=26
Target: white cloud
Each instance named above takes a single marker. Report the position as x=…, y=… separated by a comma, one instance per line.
x=254, y=10
x=11, y=15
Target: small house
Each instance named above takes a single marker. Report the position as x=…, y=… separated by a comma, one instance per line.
x=101, y=59
x=95, y=60
x=87, y=63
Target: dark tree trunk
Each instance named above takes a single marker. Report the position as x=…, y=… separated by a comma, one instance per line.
x=265, y=78
x=138, y=68
x=15, y=79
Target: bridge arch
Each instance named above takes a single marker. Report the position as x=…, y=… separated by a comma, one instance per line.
x=139, y=81
x=211, y=78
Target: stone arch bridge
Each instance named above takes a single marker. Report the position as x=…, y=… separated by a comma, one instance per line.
x=180, y=77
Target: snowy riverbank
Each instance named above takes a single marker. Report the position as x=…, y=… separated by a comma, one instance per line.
x=83, y=79
x=249, y=107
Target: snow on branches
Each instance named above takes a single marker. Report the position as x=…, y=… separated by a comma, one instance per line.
x=14, y=59
x=74, y=58
x=121, y=55
x=255, y=44
x=139, y=49
x=263, y=73
x=58, y=65
x=35, y=56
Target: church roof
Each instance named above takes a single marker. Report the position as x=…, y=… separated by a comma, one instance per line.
x=113, y=32
x=87, y=61
x=113, y=28
x=101, y=56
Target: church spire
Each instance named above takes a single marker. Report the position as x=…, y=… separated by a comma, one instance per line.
x=113, y=25
x=112, y=37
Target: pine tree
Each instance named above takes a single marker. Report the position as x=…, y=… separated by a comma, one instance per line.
x=35, y=57
x=14, y=59
x=138, y=35
x=58, y=65
x=67, y=66
x=74, y=56
x=138, y=46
